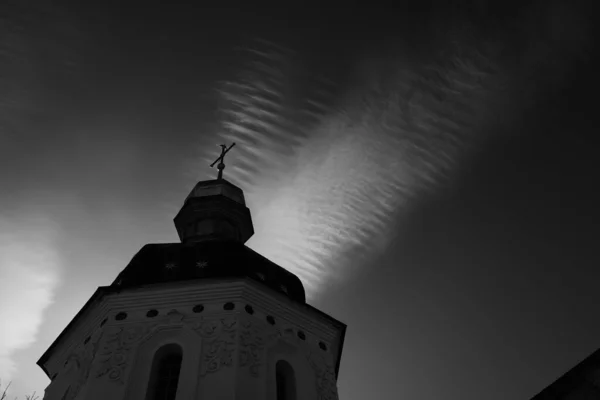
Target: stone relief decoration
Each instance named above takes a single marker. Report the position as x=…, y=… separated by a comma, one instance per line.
x=170, y=266
x=325, y=376
x=117, y=349
x=66, y=394
x=219, y=343
x=254, y=339
x=175, y=317
x=79, y=363
x=288, y=332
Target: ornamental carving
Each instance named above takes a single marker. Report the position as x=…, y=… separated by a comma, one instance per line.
x=81, y=361
x=66, y=395
x=117, y=350
x=218, y=345
x=325, y=377
x=253, y=341
x=174, y=317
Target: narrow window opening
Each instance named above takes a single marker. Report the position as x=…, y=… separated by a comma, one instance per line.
x=164, y=375
x=286, y=381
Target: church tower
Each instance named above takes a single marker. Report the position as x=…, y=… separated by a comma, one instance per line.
x=204, y=319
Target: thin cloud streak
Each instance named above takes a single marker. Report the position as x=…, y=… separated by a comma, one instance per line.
x=325, y=175
x=322, y=187
x=30, y=270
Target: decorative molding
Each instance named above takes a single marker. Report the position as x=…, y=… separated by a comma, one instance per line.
x=325, y=377
x=288, y=332
x=218, y=345
x=66, y=394
x=253, y=341
x=117, y=349
x=81, y=359
x=175, y=317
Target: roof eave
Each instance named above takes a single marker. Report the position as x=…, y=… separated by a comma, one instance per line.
x=95, y=298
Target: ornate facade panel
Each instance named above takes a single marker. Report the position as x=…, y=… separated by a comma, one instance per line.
x=79, y=364
x=115, y=356
x=219, y=343
x=110, y=354
x=324, y=374
x=255, y=337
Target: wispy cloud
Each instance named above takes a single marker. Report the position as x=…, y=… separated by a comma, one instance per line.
x=29, y=275
x=324, y=176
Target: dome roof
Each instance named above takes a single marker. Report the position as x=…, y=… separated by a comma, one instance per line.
x=160, y=263
x=217, y=187
x=214, y=210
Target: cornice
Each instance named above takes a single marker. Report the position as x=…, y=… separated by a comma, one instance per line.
x=182, y=296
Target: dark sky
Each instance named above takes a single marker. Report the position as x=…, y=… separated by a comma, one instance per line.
x=485, y=286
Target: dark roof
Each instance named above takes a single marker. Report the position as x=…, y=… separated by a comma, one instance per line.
x=156, y=263
x=580, y=377
x=217, y=187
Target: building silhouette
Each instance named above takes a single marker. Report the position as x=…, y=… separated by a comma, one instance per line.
x=207, y=318
x=582, y=382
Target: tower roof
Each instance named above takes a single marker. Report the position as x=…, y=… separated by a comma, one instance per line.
x=214, y=210
x=213, y=225
x=217, y=187
x=160, y=263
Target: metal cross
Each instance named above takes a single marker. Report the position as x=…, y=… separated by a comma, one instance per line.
x=221, y=159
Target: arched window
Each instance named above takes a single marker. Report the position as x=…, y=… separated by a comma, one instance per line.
x=286, y=382
x=164, y=375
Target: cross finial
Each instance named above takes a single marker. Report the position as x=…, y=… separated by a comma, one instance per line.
x=221, y=159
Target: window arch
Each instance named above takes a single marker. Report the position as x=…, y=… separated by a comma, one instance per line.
x=164, y=375
x=285, y=381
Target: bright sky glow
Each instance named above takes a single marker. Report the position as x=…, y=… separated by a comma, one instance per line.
x=29, y=272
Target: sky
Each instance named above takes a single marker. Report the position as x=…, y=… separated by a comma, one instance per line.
x=428, y=172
